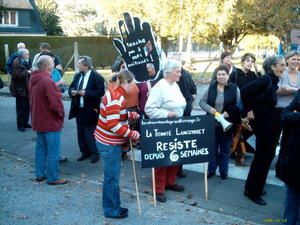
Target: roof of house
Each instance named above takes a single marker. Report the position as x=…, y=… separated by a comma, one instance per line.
x=17, y=4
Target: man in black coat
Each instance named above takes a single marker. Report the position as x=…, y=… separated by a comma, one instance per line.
x=86, y=91
x=19, y=88
x=189, y=91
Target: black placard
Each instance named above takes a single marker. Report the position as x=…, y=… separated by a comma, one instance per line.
x=176, y=141
x=137, y=47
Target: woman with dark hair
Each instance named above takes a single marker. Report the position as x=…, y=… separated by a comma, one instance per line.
x=225, y=59
x=259, y=100
x=245, y=74
x=111, y=133
x=242, y=77
x=222, y=97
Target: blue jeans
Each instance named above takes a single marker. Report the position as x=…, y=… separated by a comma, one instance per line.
x=47, y=153
x=292, y=207
x=111, y=158
x=222, y=148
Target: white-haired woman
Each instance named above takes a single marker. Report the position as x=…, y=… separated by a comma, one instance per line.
x=166, y=101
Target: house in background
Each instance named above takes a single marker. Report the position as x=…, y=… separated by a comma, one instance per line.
x=20, y=18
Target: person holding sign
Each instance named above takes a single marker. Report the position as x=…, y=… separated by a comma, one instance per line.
x=221, y=97
x=166, y=101
x=111, y=133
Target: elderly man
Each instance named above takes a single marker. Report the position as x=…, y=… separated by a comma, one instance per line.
x=86, y=91
x=9, y=67
x=47, y=115
x=19, y=88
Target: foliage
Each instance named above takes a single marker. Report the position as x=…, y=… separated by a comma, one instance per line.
x=49, y=17
x=206, y=21
x=99, y=48
x=80, y=18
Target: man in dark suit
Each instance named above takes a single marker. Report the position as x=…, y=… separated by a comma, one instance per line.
x=86, y=91
x=189, y=91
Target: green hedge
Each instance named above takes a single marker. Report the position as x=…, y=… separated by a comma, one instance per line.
x=100, y=49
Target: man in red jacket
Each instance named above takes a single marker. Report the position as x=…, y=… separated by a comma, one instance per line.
x=47, y=115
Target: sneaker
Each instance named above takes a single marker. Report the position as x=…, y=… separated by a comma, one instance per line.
x=161, y=197
x=175, y=187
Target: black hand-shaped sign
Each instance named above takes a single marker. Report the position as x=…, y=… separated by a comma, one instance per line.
x=137, y=47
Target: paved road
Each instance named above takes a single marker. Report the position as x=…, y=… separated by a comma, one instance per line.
x=225, y=197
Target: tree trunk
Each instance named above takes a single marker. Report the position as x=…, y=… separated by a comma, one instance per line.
x=180, y=43
x=189, y=43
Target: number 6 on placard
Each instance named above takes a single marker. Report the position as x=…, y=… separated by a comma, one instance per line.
x=174, y=156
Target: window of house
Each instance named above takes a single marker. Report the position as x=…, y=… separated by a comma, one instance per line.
x=8, y=18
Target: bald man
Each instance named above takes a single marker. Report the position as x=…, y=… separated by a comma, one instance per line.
x=47, y=115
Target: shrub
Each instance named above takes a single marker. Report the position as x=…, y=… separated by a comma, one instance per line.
x=100, y=48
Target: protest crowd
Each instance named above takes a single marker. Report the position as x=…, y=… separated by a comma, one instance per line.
x=109, y=116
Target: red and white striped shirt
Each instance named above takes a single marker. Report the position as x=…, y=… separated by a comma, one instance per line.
x=113, y=128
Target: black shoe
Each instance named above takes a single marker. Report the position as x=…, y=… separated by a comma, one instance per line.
x=175, y=187
x=28, y=126
x=181, y=174
x=40, y=179
x=63, y=159
x=255, y=198
x=210, y=174
x=125, y=210
x=161, y=197
x=83, y=157
x=94, y=158
x=121, y=215
x=124, y=155
x=262, y=193
x=22, y=129
x=224, y=176
x=232, y=155
x=58, y=182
